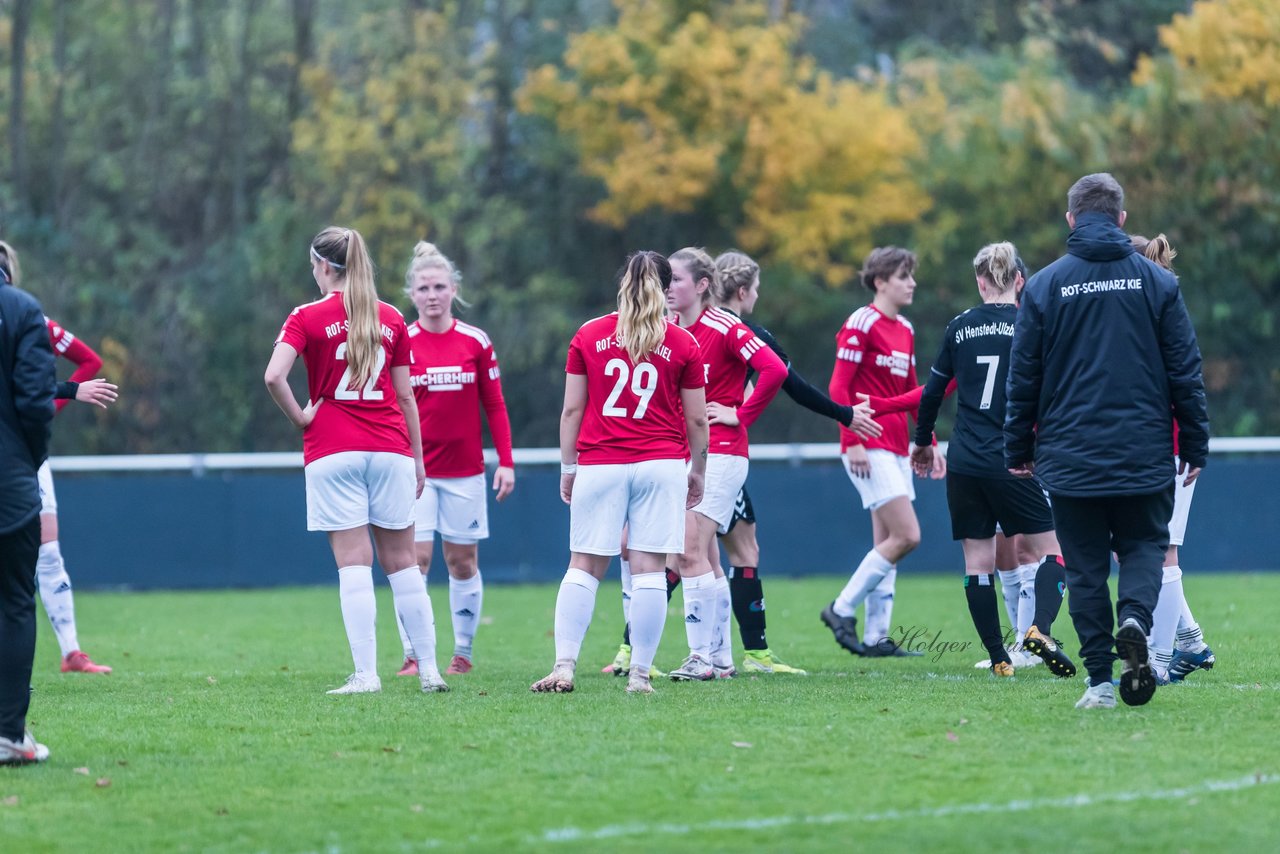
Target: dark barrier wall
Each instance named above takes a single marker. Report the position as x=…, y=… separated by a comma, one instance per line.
x=248, y=529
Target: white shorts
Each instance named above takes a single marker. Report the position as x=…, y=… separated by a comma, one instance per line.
x=454, y=506
x=355, y=488
x=890, y=478
x=648, y=496
x=726, y=473
x=48, y=500
x=1181, y=507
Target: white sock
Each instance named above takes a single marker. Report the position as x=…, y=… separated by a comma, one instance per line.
x=699, y=612
x=649, y=615
x=722, y=628
x=574, y=605
x=359, y=615
x=873, y=568
x=55, y=593
x=628, y=587
x=1190, y=638
x=404, y=638
x=1010, y=590
x=466, y=598
x=879, y=613
x=1026, y=597
x=1164, y=619
x=414, y=614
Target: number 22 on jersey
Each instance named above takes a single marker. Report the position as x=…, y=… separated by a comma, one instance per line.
x=644, y=381
x=370, y=391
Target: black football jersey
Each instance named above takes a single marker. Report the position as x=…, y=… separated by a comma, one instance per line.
x=975, y=351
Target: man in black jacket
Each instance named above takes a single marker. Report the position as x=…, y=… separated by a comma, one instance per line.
x=26, y=413
x=1104, y=360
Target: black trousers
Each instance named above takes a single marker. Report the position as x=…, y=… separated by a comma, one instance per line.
x=1136, y=528
x=18, y=552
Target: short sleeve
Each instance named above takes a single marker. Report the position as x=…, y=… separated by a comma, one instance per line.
x=575, y=364
x=293, y=332
x=400, y=354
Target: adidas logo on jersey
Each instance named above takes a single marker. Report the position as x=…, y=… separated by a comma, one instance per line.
x=742, y=333
x=465, y=612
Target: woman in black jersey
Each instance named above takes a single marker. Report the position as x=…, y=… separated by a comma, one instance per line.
x=980, y=490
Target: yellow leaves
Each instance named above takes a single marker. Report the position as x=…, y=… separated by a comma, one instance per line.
x=674, y=111
x=1231, y=46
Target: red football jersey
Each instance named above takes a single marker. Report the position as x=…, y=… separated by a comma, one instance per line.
x=360, y=419
x=453, y=374
x=875, y=355
x=87, y=362
x=728, y=346
x=633, y=412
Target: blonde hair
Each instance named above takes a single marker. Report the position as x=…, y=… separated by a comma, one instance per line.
x=427, y=256
x=9, y=263
x=642, y=323
x=700, y=267
x=735, y=270
x=1156, y=249
x=998, y=264
x=346, y=252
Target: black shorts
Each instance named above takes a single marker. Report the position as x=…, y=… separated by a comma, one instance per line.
x=978, y=503
x=742, y=510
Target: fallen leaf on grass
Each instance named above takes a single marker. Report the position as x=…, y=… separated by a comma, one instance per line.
x=486, y=621
x=102, y=782
x=415, y=808
x=11, y=801
x=741, y=743
x=84, y=771
x=221, y=811
x=483, y=693
x=885, y=709
x=389, y=749
x=122, y=762
x=728, y=769
x=211, y=680
x=951, y=736
x=285, y=667
x=470, y=747
x=963, y=721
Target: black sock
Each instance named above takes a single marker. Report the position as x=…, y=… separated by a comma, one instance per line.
x=626, y=633
x=981, y=594
x=747, y=594
x=1051, y=583
x=673, y=581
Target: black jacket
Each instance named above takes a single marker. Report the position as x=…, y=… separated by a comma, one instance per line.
x=1104, y=358
x=26, y=405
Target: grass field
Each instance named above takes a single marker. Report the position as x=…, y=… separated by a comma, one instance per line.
x=215, y=734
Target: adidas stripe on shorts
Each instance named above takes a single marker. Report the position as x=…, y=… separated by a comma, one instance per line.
x=457, y=507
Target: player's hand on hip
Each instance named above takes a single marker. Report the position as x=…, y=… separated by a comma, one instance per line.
x=504, y=481
x=718, y=413
x=309, y=415
x=859, y=464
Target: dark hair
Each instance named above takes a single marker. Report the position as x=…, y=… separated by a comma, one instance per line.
x=1096, y=193
x=884, y=262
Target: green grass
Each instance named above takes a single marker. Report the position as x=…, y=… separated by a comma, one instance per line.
x=216, y=735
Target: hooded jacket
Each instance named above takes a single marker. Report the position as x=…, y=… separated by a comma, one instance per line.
x=1104, y=358
x=26, y=405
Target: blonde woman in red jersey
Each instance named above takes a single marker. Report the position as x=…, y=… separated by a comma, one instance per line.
x=51, y=571
x=454, y=372
x=361, y=446
x=634, y=410
x=728, y=348
x=875, y=355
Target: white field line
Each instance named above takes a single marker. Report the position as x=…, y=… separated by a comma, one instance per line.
x=577, y=834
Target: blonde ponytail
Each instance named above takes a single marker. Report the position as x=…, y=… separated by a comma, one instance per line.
x=642, y=323
x=998, y=264
x=345, y=250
